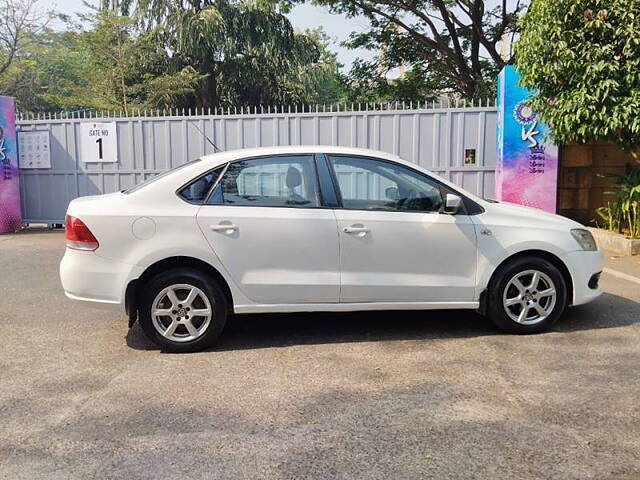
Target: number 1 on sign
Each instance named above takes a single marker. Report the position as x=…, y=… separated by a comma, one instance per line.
x=99, y=142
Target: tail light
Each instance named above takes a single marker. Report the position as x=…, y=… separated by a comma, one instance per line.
x=78, y=235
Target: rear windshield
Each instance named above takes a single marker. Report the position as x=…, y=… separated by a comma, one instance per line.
x=158, y=177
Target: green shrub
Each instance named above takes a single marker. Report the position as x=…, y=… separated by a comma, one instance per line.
x=623, y=214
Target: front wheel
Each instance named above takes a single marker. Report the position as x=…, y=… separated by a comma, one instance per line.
x=527, y=295
x=182, y=310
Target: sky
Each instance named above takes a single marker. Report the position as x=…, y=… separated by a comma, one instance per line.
x=303, y=16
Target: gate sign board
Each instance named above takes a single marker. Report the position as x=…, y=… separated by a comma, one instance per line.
x=98, y=142
x=10, y=216
x=527, y=162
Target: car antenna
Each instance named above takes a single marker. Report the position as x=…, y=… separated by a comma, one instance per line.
x=215, y=147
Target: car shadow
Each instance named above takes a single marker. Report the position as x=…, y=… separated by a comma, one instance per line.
x=279, y=330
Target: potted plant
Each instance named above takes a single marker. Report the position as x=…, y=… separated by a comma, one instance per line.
x=621, y=216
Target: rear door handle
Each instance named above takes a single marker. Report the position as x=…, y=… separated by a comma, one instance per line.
x=224, y=227
x=354, y=229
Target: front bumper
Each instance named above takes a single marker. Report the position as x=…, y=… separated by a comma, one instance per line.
x=582, y=267
x=86, y=276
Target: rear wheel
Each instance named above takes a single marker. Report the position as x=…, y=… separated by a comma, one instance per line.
x=527, y=295
x=182, y=310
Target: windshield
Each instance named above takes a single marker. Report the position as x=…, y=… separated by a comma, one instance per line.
x=158, y=177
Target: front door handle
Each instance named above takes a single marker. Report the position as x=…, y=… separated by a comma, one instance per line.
x=224, y=227
x=358, y=229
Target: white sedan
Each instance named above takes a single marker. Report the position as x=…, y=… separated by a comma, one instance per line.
x=316, y=228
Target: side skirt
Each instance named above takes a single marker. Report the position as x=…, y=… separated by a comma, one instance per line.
x=353, y=307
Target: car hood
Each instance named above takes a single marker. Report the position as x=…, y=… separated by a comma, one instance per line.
x=530, y=215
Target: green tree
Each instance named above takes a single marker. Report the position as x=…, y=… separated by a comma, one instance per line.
x=43, y=76
x=366, y=82
x=106, y=60
x=582, y=58
x=447, y=45
x=101, y=63
x=319, y=82
x=131, y=69
x=20, y=23
x=248, y=52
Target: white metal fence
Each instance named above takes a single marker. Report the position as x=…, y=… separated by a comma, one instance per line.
x=433, y=136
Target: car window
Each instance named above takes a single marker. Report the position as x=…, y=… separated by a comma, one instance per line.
x=370, y=184
x=279, y=181
x=197, y=190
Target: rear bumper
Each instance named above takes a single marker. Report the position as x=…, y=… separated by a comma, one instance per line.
x=97, y=302
x=88, y=277
x=582, y=267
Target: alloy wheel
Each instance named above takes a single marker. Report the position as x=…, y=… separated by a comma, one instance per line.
x=529, y=297
x=181, y=312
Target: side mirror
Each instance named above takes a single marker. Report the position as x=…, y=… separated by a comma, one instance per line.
x=391, y=193
x=452, y=203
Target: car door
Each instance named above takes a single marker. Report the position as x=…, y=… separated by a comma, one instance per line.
x=266, y=223
x=395, y=245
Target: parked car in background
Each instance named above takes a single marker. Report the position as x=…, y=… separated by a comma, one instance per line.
x=316, y=228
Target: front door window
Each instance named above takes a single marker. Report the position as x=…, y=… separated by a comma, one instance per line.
x=370, y=184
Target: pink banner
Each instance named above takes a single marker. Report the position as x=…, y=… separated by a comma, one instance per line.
x=527, y=162
x=10, y=215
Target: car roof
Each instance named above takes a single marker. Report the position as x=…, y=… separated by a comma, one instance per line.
x=222, y=157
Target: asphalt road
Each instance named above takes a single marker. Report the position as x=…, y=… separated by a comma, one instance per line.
x=385, y=395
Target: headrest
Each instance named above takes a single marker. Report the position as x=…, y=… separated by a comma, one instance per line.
x=230, y=185
x=294, y=177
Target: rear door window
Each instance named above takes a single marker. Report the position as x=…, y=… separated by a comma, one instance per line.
x=278, y=181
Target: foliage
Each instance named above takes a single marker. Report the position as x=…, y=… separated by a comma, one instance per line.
x=446, y=45
x=320, y=82
x=43, y=74
x=131, y=70
x=248, y=52
x=582, y=57
x=168, y=90
x=20, y=23
x=365, y=83
x=106, y=67
x=623, y=214
x=245, y=55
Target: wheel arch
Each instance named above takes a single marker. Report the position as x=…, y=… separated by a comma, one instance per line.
x=133, y=288
x=550, y=257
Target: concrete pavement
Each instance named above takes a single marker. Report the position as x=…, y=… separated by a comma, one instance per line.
x=366, y=395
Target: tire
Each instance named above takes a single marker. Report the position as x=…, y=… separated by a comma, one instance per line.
x=512, y=291
x=168, y=319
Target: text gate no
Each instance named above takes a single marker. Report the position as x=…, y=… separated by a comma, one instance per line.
x=435, y=138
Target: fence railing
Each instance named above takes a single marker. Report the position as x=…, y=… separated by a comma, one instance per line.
x=442, y=103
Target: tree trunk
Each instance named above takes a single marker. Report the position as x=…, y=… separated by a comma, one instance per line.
x=205, y=94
